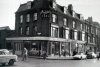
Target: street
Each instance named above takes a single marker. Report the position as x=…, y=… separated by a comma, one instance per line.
x=31, y=62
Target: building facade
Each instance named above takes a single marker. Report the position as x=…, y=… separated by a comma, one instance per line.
x=43, y=25
x=4, y=32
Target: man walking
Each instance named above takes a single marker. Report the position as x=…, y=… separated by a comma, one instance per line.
x=24, y=55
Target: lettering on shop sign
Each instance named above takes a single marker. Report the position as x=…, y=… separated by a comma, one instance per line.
x=45, y=13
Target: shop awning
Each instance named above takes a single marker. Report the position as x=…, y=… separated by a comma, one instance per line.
x=38, y=38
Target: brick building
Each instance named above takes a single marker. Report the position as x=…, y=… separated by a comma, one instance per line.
x=5, y=32
x=43, y=25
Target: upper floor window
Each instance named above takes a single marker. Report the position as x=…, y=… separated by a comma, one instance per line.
x=88, y=29
x=89, y=39
x=81, y=26
x=28, y=18
x=65, y=21
x=67, y=34
x=65, y=10
x=54, y=32
x=83, y=37
x=75, y=35
x=54, y=17
x=96, y=31
x=54, y=5
x=74, y=24
x=93, y=40
x=21, y=30
x=27, y=30
x=21, y=18
x=35, y=16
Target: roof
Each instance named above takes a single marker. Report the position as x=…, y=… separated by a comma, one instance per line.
x=5, y=28
x=22, y=7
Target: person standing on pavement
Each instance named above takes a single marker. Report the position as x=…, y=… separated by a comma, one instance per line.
x=24, y=55
x=44, y=55
x=98, y=55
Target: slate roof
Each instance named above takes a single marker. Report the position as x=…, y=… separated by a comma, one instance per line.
x=5, y=28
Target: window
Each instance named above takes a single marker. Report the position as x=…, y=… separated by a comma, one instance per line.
x=71, y=34
x=73, y=24
x=93, y=40
x=54, y=32
x=67, y=34
x=88, y=29
x=21, y=18
x=54, y=17
x=34, y=29
x=28, y=18
x=65, y=21
x=54, y=5
x=65, y=10
x=81, y=26
x=83, y=37
x=27, y=30
x=88, y=39
x=21, y=31
x=96, y=31
x=75, y=35
x=35, y=16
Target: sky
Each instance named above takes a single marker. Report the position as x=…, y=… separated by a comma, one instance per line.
x=87, y=8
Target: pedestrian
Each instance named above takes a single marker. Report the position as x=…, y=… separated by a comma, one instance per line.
x=24, y=54
x=98, y=56
x=44, y=55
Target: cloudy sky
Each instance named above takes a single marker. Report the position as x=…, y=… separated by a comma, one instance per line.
x=85, y=7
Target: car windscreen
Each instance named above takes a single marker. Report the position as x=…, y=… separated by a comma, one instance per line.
x=2, y=53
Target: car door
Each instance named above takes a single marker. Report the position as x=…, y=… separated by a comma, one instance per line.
x=2, y=57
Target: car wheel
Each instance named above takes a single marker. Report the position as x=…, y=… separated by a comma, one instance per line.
x=3, y=64
x=11, y=62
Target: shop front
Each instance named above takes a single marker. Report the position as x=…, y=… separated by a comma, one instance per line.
x=37, y=45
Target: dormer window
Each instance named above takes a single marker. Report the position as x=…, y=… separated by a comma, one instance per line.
x=29, y=5
x=54, y=5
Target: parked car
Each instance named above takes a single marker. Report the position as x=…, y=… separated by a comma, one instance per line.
x=91, y=55
x=7, y=57
x=79, y=56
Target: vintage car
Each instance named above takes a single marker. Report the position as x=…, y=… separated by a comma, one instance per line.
x=79, y=56
x=91, y=55
x=7, y=57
